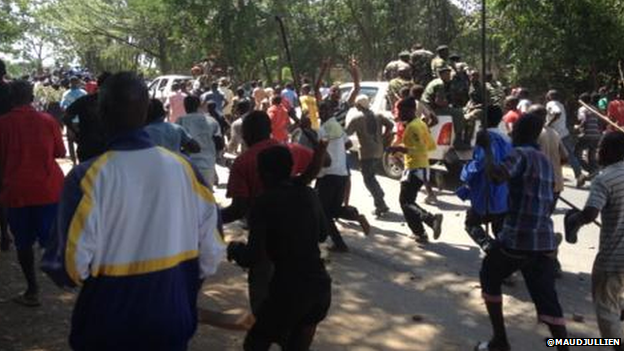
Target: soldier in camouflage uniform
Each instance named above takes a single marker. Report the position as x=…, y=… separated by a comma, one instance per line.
x=392, y=68
x=441, y=60
x=421, y=65
x=438, y=97
x=403, y=80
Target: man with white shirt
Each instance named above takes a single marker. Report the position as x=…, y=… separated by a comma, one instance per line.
x=557, y=120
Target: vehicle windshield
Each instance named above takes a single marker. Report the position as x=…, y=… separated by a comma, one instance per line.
x=371, y=92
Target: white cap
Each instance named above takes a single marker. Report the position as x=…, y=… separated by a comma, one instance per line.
x=362, y=101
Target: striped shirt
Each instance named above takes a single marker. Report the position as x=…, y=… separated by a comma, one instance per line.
x=590, y=126
x=528, y=225
x=607, y=195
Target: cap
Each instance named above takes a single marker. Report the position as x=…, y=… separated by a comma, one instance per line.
x=362, y=101
x=455, y=57
x=404, y=53
x=441, y=48
x=444, y=69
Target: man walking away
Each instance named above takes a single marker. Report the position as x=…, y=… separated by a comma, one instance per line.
x=417, y=143
x=31, y=179
x=526, y=242
x=607, y=198
x=207, y=132
x=300, y=289
x=372, y=131
x=172, y=137
x=141, y=264
x=589, y=137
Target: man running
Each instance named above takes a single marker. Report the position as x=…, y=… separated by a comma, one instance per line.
x=137, y=230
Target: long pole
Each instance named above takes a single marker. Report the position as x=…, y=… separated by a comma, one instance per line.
x=287, y=48
x=485, y=102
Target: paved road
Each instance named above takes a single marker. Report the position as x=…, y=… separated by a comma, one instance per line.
x=379, y=286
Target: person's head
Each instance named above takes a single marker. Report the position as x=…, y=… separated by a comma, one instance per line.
x=474, y=75
x=445, y=73
x=603, y=91
x=553, y=95
x=334, y=93
x=404, y=71
x=417, y=91
x=289, y=86
x=155, y=111
x=256, y=127
x=585, y=97
x=404, y=56
x=417, y=46
x=224, y=82
x=253, y=84
x=191, y=103
x=240, y=92
x=269, y=92
x=74, y=82
x=175, y=86
x=275, y=166
x=407, y=109
x=527, y=129
x=21, y=92
x=214, y=86
x=243, y=107
x=260, y=84
x=443, y=51
x=362, y=102
x=511, y=103
x=3, y=71
x=538, y=110
x=611, y=149
x=123, y=102
x=523, y=94
x=595, y=98
x=404, y=92
x=276, y=100
x=211, y=106
x=306, y=89
x=455, y=58
x=494, y=116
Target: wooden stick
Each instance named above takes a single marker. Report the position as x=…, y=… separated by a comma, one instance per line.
x=603, y=117
x=621, y=74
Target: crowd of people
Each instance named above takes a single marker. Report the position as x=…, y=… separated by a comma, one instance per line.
x=135, y=223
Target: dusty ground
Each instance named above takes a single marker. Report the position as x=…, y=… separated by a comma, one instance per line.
x=378, y=288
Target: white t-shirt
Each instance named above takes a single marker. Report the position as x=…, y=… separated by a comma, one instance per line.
x=335, y=135
x=523, y=105
x=560, y=125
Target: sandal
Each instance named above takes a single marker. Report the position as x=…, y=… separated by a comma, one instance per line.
x=485, y=346
x=27, y=300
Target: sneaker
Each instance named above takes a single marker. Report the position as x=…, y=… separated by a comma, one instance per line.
x=437, y=226
x=571, y=226
x=380, y=212
x=422, y=239
x=365, y=225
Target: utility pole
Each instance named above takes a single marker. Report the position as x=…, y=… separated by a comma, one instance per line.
x=287, y=48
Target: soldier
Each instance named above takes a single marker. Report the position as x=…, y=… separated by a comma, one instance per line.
x=441, y=60
x=403, y=80
x=438, y=97
x=392, y=69
x=421, y=64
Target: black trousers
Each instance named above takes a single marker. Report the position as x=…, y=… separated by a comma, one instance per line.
x=331, y=191
x=414, y=214
x=369, y=170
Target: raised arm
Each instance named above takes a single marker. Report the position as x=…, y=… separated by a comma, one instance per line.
x=319, y=79
x=355, y=74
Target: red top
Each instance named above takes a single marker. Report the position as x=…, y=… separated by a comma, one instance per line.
x=511, y=117
x=279, y=122
x=29, y=143
x=91, y=87
x=244, y=178
x=616, y=112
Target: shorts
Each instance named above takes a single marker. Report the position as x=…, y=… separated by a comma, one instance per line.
x=538, y=270
x=31, y=224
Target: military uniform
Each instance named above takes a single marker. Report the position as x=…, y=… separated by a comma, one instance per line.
x=421, y=64
x=395, y=86
x=436, y=93
x=438, y=63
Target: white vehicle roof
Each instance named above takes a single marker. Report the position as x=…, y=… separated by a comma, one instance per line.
x=174, y=76
x=368, y=84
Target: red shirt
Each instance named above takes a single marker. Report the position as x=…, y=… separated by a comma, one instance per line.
x=279, y=122
x=244, y=178
x=29, y=143
x=91, y=87
x=511, y=117
x=615, y=111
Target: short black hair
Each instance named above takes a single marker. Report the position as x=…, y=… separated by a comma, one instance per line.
x=256, y=127
x=123, y=102
x=21, y=92
x=494, y=116
x=275, y=165
x=527, y=129
x=611, y=148
x=276, y=100
x=406, y=105
x=243, y=106
x=191, y=103
x=155, y=111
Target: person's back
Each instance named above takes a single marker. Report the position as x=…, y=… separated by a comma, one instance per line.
x=279, y=121
x=202, y=129
x=29, y=143
x=168, y=135
x=91, y=138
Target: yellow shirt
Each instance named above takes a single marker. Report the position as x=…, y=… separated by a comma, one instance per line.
x=418, y=142
x=308, y=103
